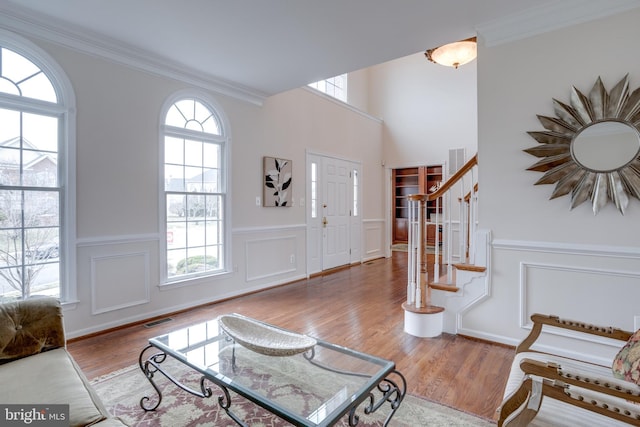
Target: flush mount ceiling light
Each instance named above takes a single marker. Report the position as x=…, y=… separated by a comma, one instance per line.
x=454, y=54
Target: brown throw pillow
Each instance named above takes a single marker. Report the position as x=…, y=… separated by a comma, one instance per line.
x=30, y=326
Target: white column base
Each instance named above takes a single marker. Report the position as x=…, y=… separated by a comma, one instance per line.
x=424, y=325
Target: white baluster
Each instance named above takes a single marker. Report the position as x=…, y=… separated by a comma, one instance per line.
x=419, y=255
x=436, y=265
x=461, y=227
x=411, y=284
x=449, y=239
x=473, y=212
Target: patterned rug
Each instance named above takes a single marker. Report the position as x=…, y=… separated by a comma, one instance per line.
x=121, y=392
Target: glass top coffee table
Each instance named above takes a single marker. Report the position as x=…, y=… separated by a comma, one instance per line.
x=329, y=381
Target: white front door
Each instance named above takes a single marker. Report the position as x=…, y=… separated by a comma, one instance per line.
x=333, y=213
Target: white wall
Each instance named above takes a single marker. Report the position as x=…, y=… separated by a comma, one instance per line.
x=427, y=109
x=358, y=89
x=546, y=257
x=118, y=225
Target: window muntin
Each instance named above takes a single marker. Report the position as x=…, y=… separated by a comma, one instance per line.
x=19, y=76
x=194, y=190
x=192, y=114
x=31, y=192
x=335, y=87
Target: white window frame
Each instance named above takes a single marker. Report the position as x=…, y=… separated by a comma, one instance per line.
x=225, y=160
x=65, y=110
x=321, y=86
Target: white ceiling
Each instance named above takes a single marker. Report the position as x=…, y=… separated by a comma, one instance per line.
x=263, y=47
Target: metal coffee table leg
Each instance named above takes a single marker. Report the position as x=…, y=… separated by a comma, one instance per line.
x=152, y=365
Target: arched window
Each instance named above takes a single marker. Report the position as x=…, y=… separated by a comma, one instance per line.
x=195, y=147
x=36, y=115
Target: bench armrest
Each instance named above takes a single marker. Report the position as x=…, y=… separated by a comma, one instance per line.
x=539, y=320
x=571, y=386
x=607, y=386
x=521, y=407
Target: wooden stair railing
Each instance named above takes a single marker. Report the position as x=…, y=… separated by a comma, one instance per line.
x=455, y=178
x=464, y=183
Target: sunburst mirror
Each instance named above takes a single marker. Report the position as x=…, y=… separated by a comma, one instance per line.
x=591, y=149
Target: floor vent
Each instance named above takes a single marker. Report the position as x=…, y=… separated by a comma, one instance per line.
x=157, y=322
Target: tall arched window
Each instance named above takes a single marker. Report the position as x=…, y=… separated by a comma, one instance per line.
x=195, y=189
x=36, y=207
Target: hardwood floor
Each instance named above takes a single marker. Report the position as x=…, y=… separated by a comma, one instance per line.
x=358, y=307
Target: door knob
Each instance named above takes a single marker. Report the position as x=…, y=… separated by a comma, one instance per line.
x=324, y=221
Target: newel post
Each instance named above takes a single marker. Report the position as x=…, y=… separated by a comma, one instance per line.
x=421, y=318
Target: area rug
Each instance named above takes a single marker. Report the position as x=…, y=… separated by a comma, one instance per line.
x=121, y=392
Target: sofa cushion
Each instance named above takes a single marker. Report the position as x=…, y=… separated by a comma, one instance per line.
x=560, y=414
x=29, y=327
x=626, y=364
x=51, y=378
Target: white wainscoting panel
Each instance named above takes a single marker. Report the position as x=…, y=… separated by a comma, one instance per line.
x=119, y=281
x=374, y=239
x=578, y=293
x=270, y=257
x=568, y=290
x=595, y=284
x=314, y=248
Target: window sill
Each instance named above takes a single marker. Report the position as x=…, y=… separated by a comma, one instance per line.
x=193, y=280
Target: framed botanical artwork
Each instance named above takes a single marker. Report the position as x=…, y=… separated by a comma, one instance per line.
x=277, y=182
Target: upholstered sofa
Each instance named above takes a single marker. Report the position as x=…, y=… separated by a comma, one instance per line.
x=37, y=369
x=553, y=390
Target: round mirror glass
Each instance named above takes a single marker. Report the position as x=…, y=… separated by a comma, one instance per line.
x=606, y=146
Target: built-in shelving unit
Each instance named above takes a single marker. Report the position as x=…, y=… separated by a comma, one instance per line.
x=415, y=180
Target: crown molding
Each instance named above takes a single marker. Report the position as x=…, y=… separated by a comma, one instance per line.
x=549, y=17
x=51, y=30
x=533, y=21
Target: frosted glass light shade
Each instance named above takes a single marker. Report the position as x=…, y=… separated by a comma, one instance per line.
x=454, y=54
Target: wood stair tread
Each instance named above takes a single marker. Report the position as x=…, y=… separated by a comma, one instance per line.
x=448, y=287
x=429, y=309
x=470, y=267
x=443, y=283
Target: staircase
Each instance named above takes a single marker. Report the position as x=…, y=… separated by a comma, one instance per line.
x=461, y=256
